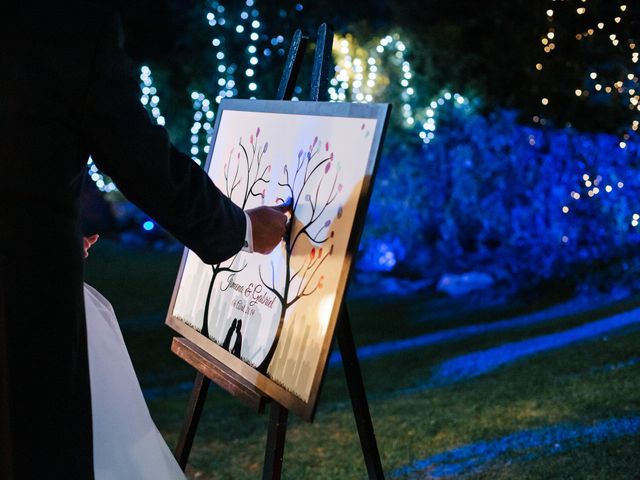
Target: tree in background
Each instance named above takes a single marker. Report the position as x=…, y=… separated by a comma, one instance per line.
x=529, y=76
x=597, y=44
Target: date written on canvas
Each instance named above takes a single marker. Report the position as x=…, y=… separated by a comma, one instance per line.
x=254, y=293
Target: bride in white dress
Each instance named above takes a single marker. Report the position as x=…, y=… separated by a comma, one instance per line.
x=126, y=443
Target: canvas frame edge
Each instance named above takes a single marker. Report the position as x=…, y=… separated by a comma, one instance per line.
x=263, y=384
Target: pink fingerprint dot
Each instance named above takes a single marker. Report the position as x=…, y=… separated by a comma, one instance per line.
x=327, y=168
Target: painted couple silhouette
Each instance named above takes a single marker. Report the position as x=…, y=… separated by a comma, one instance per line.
x=236, y=325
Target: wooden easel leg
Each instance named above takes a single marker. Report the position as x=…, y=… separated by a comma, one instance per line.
x=322, y=64
x=191, y=420
x=358, y=397
x=276, y=435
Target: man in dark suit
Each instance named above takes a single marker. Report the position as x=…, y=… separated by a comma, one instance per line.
x=67, y=91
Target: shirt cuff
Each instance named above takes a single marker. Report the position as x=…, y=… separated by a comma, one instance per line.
x=248, y=236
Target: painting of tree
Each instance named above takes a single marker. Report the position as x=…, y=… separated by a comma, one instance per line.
x=314, y=184
x=270, y=317
x=246, y=173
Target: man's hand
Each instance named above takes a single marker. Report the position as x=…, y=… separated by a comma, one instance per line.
x=269, y=224
x=87, y=242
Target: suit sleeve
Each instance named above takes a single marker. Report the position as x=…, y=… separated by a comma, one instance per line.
x=165, y=183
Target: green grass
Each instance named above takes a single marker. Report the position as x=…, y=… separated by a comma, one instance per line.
x=555, y=387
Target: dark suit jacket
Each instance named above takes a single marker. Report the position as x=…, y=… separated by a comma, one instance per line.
x=67, y=91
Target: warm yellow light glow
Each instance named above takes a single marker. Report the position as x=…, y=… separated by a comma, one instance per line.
x=578, y=92
x=550, y=13
x=538, y=66
x=545, y=101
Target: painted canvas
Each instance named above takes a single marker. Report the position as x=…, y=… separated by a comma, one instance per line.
x=271, y=317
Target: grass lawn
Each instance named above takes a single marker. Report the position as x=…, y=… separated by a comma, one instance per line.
x=558, y=413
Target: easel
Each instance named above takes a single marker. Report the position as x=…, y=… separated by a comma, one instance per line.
x=209, y=369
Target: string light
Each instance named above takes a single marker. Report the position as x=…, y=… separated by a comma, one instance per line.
x=628, y=81
x=201, y=129
x=150, y=98
x=359, y=77
x=258, y=49
x=101, y=181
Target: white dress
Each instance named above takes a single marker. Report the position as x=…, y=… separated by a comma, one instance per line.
x=126, y=443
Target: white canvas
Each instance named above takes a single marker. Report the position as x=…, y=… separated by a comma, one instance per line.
x=258, y=158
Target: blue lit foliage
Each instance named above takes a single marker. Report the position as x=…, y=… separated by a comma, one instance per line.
x=491, y=194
